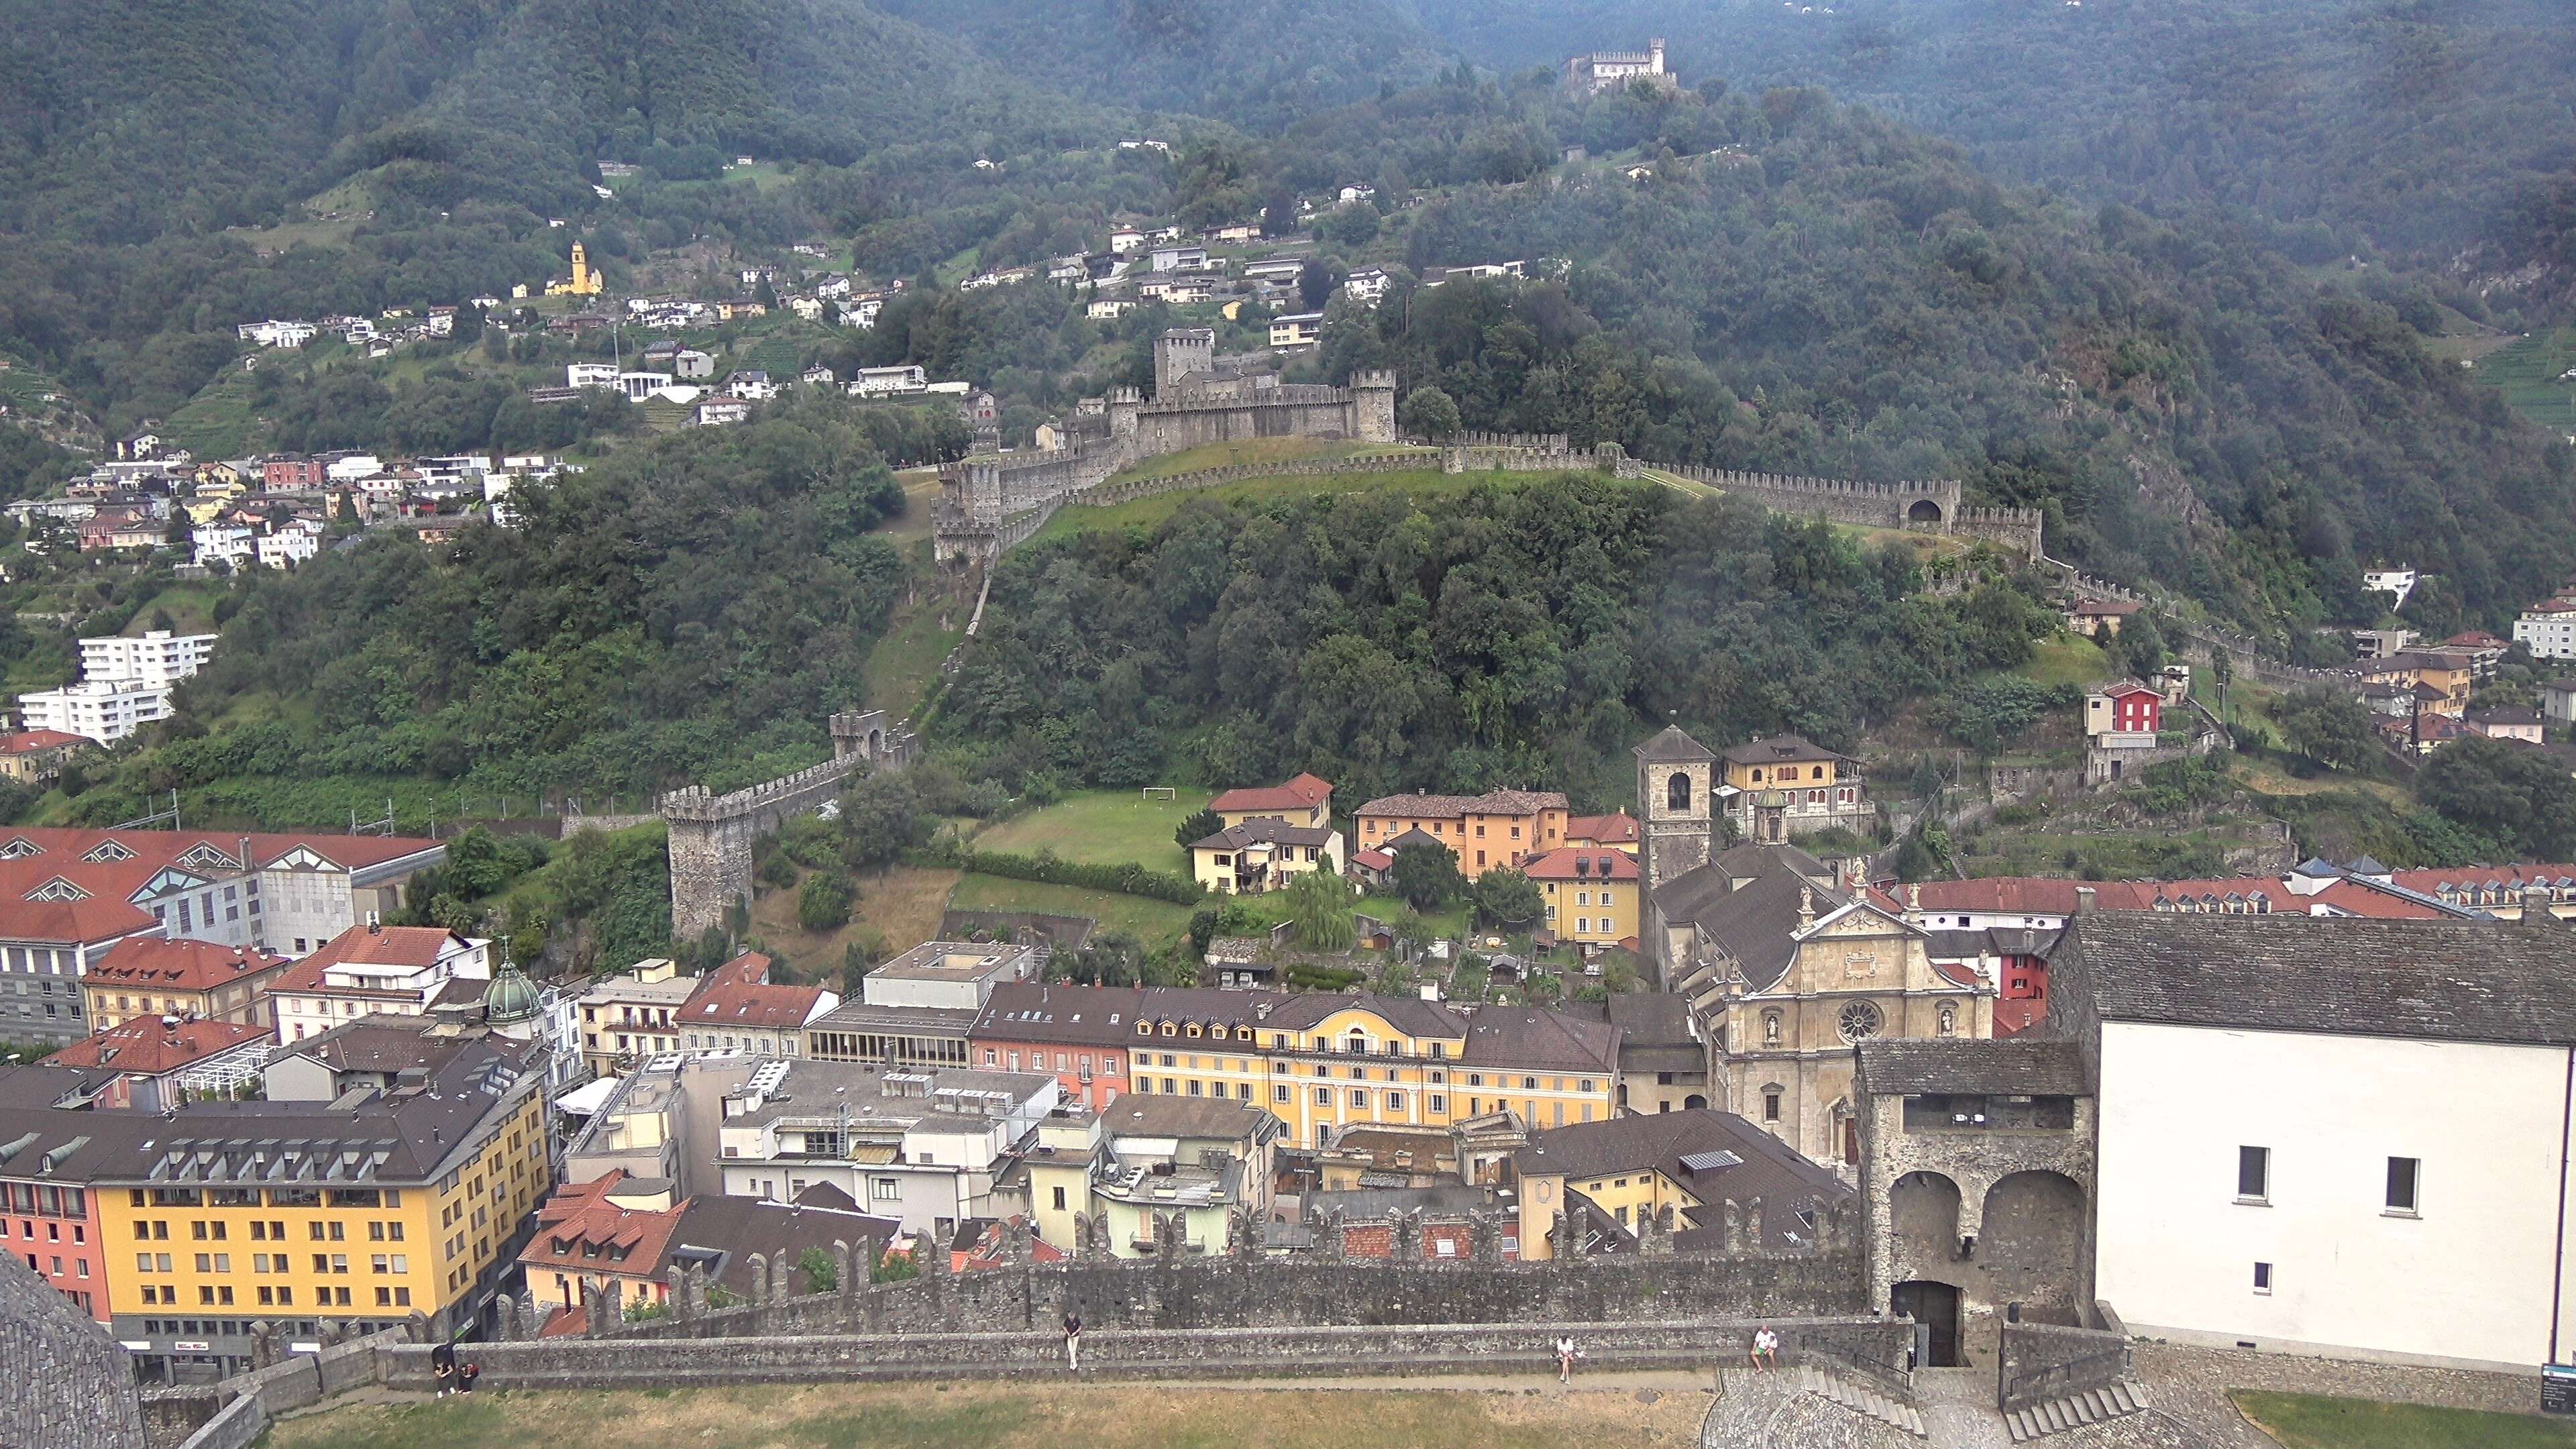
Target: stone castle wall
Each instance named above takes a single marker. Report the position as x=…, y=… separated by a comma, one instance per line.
x=712, y=835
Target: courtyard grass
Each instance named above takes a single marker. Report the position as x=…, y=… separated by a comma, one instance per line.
x=997, y=1416
x=1152, y=511
x=2315, y=1421
x=1103, y=827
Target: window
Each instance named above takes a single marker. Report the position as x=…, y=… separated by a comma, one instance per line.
x=1358, y=1098
x=1677, y=792
x=2402, y=1172
x=1771, y=1104
x=2254, y=1174
x=1438, y=1103
x=1323, y=1096
x=885, y=1189
x=1279, y=1093
x=2262, y=1277
x=1059, y=1199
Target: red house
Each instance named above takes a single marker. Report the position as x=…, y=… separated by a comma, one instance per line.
x=2126, y=713
x=1079, y=1033
x=289, y=472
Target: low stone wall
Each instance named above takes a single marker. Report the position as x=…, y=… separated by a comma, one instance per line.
x=580, y=1363
x=237, y=1425
x=2044, y=1361
x=1065, y=933
x=173, y=1415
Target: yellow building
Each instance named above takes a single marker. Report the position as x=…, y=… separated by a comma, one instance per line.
x=1591, y=894
x=1263, y=854
x=1320, y=1063
x=159, y=976
x=412, y=1201
x=584, y=283
x=1782, y=787
x=1610, y=1180
x=1615, y=831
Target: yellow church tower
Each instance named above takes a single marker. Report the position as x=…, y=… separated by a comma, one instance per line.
x=584, y=283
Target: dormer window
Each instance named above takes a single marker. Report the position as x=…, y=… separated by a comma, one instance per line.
x=1170, y=1030
x=107, y=850
x=1144, y=1028
x=1194, y=1029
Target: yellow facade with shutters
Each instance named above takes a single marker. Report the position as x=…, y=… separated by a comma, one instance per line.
x=376, y=1250
x=1593, y=912
x=1354, y=1068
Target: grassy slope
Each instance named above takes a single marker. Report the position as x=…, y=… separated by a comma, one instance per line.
x=2527, y=371
x=1153, y=922
x=2313, y=1421
x=1102, y=827
x=993, y=1416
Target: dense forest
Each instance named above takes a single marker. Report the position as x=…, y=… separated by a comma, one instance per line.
x=1515, y=633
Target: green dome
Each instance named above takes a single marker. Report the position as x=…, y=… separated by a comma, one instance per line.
x=511, y=997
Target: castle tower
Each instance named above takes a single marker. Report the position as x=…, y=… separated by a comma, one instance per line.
x=1179, y=353
x=1655, y=56
x=1373, y=407
x=1674, y=806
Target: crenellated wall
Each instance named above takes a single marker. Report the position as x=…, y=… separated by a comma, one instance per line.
x=712, y=835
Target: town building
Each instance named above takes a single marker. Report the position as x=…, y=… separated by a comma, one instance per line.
x=1291, y=330
x=1672, y=1171
x=660, y=1122
x=1302, y=800
x=2505, y=722
x=1783, y=787
x=98, y=710
x=2098, y=618
x=1591, y=894
x=1615, y=69
x=1080, y=1034
x=1498, y=828
x=51, y=1155
x=2283, y=1162
x=1195, y=1158
x=158, y=657
x=361, y=1213
x=162, y=1062
x=2548, y=628
x=736, y=1007
x=2395, y=582
x=915, y=1010
x=613, y=1235
x=633, y=1015
x=922, y=1147
x=1322, y=1062
x=2558, y=702
x=37, y=757
x=2123, y=724
x=1263, y=854
x=394, y=970
x=1614, y=831
x=155, y=976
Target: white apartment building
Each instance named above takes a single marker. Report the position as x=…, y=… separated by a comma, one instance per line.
x=288, y=547
x=2339, y=1137
x=372, y=969
x=920, y=1146
x=2549, y=629
x=235, y=544
x=886, y=381
x=96, y=709
x=159, y=657
x=2400, y=582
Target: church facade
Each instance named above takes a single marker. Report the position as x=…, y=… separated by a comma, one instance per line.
x=1786, y=963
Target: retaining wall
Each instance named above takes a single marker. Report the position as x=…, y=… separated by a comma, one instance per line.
x=2043, y=1361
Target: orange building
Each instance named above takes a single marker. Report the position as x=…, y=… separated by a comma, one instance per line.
x=1498, y=828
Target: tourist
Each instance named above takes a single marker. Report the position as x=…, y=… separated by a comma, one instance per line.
x=1073, y=1339
x=1766, y=1348
x=466, y=1376
x=442, y=1363
x=1565, y=1356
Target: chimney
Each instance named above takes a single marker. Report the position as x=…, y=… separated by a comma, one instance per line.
x=2084, y=900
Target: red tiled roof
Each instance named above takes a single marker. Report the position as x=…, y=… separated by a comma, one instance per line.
x=1558, y=864
x=740, y=993
x=416, y=946
x=148, y=1046
x=27, y=742
x=2029, y=895
x=1450, y=807
x=180, y=965
x=2102, y=607
x=1299, y=792
x=1374, y=860
x=2122, y=689
x=1616, y=828
x=580, y=1213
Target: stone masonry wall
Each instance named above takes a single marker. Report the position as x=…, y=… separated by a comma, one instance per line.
x=63, y=1383
x=712, y=836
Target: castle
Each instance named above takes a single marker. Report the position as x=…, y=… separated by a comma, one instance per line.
x=1199, y=398
x=1587, y=75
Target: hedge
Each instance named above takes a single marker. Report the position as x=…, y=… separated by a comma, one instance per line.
x=1130, y=879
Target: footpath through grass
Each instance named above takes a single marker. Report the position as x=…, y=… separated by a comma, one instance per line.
x=2315, y=1421
x=1103, y=827
x=992, y=1416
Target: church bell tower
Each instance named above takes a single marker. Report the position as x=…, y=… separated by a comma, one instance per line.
x=1674, y=808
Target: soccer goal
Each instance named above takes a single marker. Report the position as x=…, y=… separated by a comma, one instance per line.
x=1161, y=792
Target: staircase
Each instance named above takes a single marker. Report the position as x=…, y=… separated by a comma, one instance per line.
x=1857, y=1396
x=2074, y=1411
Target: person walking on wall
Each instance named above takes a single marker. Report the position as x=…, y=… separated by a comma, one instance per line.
x=1073, y=1338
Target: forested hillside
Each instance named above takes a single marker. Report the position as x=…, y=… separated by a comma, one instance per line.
x=2406, y=127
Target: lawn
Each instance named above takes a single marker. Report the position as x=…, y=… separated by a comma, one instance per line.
x=2313, y=1421
x=191, y=608
x=1103, y=827
x=901, y=905
x=2066, y=659
x=1151, y=921
x=1245, y=450
x=1151, y=512
x=217, y=422
x=997, y=1416
x=2528, y=369
x=904, y=664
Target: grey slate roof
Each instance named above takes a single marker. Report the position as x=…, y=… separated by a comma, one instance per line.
x=1753, y=922
x=1959, y=1065
x=1769, y=1168
x=2433, y=980
x=1673, y=747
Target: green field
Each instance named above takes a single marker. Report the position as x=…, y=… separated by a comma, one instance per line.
x=1151, y=512
x=1103, y=827
x=2313, y=1421
x=905, y=663
x=1246, y=450
x=217, y=422
x=1151, y=921
x=191, y=608
x=1014, y=1416
x=2066, y=659
x=2528, y=369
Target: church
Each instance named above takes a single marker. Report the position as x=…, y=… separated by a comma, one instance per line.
x=1787, y=963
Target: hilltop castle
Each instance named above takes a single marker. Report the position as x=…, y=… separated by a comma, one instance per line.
x=1587, y=75
x=1199, y=398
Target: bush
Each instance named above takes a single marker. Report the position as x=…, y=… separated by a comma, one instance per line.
x=824, y=902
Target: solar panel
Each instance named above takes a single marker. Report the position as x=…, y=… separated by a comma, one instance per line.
x=1711, y=1161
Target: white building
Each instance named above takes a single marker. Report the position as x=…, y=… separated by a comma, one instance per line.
x=1296, y=329
x=2400, y=582
x=369, y=969
x=104, y=710
x=351, y=467
x=590, y=374
x=1366, y=285
x=887, y=381
x=233, y=543
x=949, y=975
x=277, y=334
x=2549, y=629
x=920, y=1146
x=291, y=545
x=2340, y=1137
x=157, y=657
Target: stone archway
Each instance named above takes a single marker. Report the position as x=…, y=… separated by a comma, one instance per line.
x=1694, y=1102
x=1924, y=513
x=2031, y=1244
x=1923, y=1225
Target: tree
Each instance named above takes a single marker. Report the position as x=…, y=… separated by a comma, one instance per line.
x=1197, y=828
x=1507, y=897
x=823, y=902
x=1315, y=283
x=1426, y=874
x=1319, y=904
x=2329, y=727
x=881, y=818
x=2519, y=796
x=1428, y=412
x=822, y=1273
